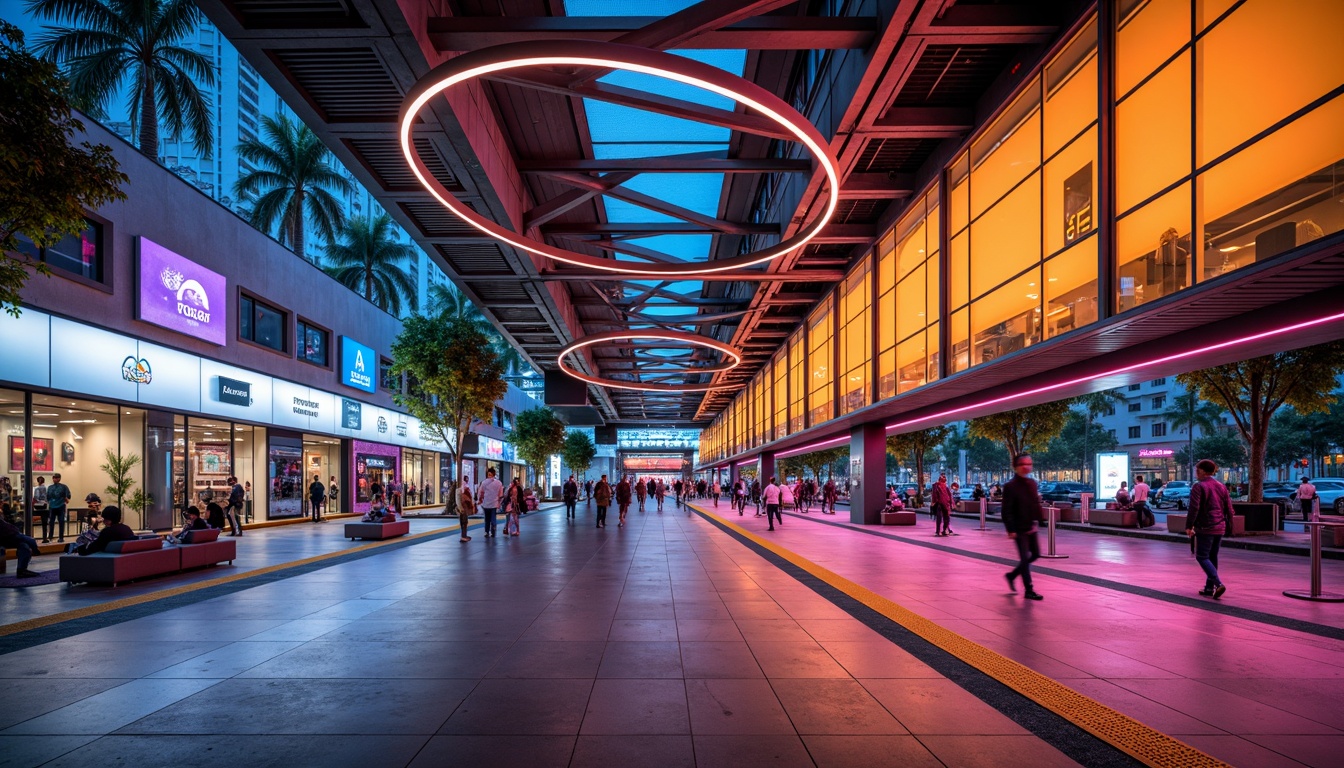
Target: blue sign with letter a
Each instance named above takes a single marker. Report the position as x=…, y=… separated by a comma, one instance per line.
x=359, y=365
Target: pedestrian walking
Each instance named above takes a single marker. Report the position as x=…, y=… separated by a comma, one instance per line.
x=39, y=494
x=1306, y=498
x=714, y=490
x=466, y=507
x=1021, y=517
x=829, y=495
x=488, y=498
x=772, y=497
x=588, y=491
x=941, y=502
x=1208, y=520
x=660, y=493
x=333, y=495
x=571, y=497
x=514, y=501
x=602, y=495
x=641, y=492
x=622, y=500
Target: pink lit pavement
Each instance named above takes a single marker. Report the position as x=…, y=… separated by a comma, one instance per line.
x=1254, y=679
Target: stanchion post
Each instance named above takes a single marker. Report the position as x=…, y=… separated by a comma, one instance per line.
x=1316, y=594
x=1052, y=513
x=984, y=509
x=1084, y=501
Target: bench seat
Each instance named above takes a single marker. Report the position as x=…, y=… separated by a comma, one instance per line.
x=1121, y=518
x=123, y=561
x=377, y=531
x=898, y=518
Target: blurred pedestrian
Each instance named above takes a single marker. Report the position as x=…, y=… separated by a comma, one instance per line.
x=1021, y=516
x=1208, y=520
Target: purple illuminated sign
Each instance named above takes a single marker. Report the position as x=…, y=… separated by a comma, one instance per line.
x=1155, y=453
x=181, y=295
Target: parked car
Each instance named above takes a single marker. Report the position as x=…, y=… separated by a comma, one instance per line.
x=1176, y=493
x=1065, y=490
x=1283, y=494
x=1331, y=491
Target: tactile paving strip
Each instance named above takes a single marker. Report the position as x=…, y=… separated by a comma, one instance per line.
x=1142, y=742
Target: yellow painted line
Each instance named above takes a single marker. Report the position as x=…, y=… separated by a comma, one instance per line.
x=113, y=605
x=1140, y=741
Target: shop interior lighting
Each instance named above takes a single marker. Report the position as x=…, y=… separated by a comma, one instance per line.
x=734, y=360
x=628, y=58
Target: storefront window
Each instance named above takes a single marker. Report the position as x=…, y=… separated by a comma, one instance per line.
x=855, y=340
x=375, y=467
x=321, y=458
x=87, y=443
x=249, y=445
x=420, y=470
x=210, y=461
x=11, y=484
x=821, y=381
x=285, y=475
x=797, y=382
x=781, y=392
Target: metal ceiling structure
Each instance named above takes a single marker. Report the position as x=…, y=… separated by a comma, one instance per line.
x=614, y=165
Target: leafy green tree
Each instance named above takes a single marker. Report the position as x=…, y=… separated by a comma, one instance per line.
x=1076, y=445
x=368, y=260
x=1227, y=451
x=789, y=466
x=454, y=378
x=1251, y=391
x=1294, y=436
x=825, y=459
x=982, y=455
x=918, y=447
x=578, y=452
x=111, y=40
x=46, y=181
x=294, y=180
x=445, y=298
x=1095, y=404
x=1023, y=430
x=538, y=433
x=1186, y=414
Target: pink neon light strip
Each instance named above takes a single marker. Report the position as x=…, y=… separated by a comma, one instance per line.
x=1080, y=380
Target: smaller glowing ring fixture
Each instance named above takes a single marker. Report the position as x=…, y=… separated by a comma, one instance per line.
x=735, y=359
x=628, y=58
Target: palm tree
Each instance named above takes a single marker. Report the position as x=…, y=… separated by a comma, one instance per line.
x=1095, y=404
x=368, y=260
x=295, y=180
x=1185, y=413
x=110, y=39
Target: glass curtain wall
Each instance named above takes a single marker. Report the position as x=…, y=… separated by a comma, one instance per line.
x=1228, y=151
x=855, y=338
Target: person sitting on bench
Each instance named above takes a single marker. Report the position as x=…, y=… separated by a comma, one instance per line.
x=113, y=530
x=193, y=523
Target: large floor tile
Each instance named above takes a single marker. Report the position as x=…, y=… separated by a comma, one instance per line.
x=257, y=751
x=887, y=751
x=636, y=707
x=780, y=751
x=547, y=707
x=515, y=751
x=833, y=707
x=634, y=751
x=735, y=707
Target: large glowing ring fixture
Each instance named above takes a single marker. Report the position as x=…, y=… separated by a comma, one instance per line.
x=616, y=56
x=734, y=360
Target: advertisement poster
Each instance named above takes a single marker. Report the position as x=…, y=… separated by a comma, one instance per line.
x=1112, y=469
x=181, y=295
x=43, y=454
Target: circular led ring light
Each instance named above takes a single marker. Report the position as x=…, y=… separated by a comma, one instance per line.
x=629, y=58
x=735, y=359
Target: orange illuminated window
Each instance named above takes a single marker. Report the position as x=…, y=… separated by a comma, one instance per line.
x=1071, y=289
x=1152, y=135
x=1153, y=249
x=1150, y=32
x=821, y=374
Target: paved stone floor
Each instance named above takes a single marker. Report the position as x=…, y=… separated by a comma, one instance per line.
x=667, y=643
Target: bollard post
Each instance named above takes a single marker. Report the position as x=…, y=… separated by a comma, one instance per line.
x=984, y=508
x=1051, y=514
x=1084, y=501
x=1315, y=594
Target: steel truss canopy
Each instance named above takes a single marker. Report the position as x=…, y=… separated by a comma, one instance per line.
x=621, y=167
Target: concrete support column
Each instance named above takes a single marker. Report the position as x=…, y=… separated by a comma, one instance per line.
x=767, y=467
x=732, y=474
x=868, y=473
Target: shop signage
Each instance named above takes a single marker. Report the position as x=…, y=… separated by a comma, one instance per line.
x=1112, y=469
x=233, y=391
x=1155, y=453
x=401, y=427
x=382, y=424
x=1078, y=204
x=181, y=295
x=136, y=370
x=492, y=448
x=352, y=414
x=378, y=462
x=359, y=364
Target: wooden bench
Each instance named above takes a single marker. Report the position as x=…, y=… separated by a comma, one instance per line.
x=1119, y=518
x=377, y=531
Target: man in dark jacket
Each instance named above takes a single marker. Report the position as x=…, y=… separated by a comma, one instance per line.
x=602, y=495
x=1021, y=513
x=317, y=494
x=26, y=546
x=623, y=493
x=571, y=496
x=1210, y=514
x=235, y=512
x=114, y=530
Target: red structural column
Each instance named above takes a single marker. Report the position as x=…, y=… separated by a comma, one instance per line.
x=868, y=473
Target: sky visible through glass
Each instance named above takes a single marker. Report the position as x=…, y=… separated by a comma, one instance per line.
x=623, y=132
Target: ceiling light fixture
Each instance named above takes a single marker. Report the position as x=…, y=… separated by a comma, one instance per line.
x=735, y=359
x=628, y=58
